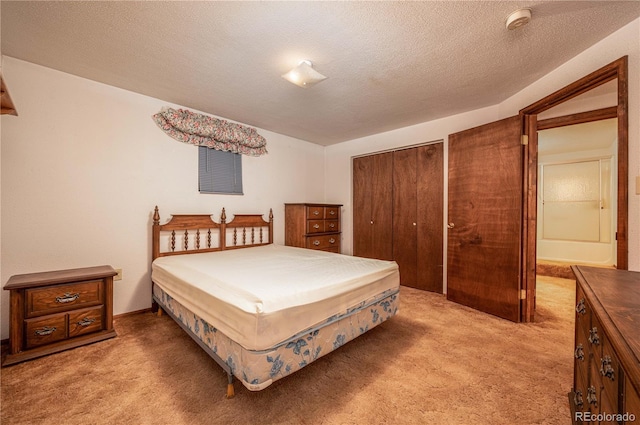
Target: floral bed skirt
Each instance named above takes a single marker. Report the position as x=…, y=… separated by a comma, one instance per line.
x=259, y=369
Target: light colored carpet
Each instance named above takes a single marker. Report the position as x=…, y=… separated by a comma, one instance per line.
x=435, y=363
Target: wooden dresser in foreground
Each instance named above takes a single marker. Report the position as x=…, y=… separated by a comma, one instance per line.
x=58, y=310
x=313, y=226
x=606, y=381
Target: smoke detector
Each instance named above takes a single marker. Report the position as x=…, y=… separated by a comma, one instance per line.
x=518, y=18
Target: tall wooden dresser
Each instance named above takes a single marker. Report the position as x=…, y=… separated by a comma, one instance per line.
x=606, y=381
x=313, y=226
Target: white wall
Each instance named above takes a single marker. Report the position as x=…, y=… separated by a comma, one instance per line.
x=84, y=164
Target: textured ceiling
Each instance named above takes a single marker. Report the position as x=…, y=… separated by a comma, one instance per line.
x=390, y=64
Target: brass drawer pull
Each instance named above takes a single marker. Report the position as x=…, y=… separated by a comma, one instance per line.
x=316, y=242
x=316, y=226
x=593, y=336
x=316, y=212
x=47, y=330
x=591, y=396
x=86, y=321
x=580, y=307
x=332, y=240
x=577, y=398
x=332, y=212
x=579, y=353
x=606, y=369
x=332, y=225
x=67, y=298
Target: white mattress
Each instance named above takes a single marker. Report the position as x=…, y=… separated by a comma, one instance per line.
x=262, y=296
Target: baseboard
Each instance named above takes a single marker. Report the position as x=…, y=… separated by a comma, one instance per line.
x=132, y=313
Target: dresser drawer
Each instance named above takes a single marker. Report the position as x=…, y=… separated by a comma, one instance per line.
x=595, y=337
x=332, y=225
x=45, y=330
x=315, y=226
x=631, y=400
x=52, y=299
x=318, y=212
x=581, y=353
x=331, y=213
x=324, y=242
x=583, y=311
x=323, y=226
x=609, y=369
x=315, y=212
x=579, y=399
x=85, y=321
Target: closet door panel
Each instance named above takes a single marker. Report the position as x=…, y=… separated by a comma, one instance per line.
x=405, y=215
x=362, y=194
x=373, y=206
x=430, y=195
x=382, y=206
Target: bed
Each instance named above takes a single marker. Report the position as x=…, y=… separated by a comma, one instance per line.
x=263, y=311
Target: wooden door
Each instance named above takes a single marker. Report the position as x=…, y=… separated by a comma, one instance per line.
x=372, y=206
x=485, y=215
x=405, y=216
x=417, y=216
x=430, y=206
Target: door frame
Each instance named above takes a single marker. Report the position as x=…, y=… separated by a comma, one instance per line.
x=615, y=70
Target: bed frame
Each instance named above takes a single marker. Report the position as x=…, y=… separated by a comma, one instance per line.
x=189, y=234
x=196, y=233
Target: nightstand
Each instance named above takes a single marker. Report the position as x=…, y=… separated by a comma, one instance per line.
x=58, y=310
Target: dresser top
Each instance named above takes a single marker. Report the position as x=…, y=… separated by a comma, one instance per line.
x=30, y=280
x=617, y=304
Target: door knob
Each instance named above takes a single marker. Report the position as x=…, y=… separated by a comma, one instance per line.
x=451, y=225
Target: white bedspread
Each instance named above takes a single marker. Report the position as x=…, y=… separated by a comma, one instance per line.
x=262, y=296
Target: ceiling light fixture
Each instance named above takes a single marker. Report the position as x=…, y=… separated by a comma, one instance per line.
x=518, y=18
x=304, y=75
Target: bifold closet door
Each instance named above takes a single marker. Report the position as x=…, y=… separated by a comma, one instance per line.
x=418, y=216
x=373, y=206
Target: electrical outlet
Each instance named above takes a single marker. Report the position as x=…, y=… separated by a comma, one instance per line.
x=119, y=275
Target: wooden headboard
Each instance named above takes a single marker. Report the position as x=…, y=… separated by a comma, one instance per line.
x=195, y=233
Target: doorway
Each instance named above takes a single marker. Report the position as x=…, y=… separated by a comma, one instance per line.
x=577, y=206
x=489, y=193
x=616, y=72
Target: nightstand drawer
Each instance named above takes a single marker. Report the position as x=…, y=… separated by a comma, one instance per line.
x=52, y=299
x=85, y=321
x=45, y=330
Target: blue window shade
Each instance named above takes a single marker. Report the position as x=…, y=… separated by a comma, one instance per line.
x=219, y=171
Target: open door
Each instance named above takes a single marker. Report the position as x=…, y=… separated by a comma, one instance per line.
x=485, y=218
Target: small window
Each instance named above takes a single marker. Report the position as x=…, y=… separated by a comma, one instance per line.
x=219, y=171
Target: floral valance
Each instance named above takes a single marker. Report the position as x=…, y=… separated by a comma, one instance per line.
x=197, y=129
